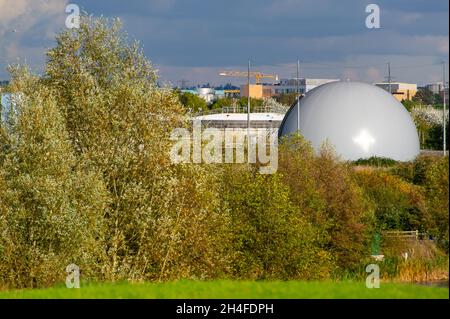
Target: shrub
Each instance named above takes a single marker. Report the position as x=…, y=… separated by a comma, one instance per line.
x=324, y=193
x=398, y=204
x=376, y=161
x=272, y=239
x=431, y=174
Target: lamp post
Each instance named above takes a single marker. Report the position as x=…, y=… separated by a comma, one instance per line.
x=248, y=111
x=443, y=115
x=298, y=95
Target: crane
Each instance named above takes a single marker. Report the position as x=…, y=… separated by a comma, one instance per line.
x=258, y=75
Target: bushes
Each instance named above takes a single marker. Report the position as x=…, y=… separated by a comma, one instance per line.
x=430, y=173
x=376, y=161
x=398, y=204
x=272, y=240
x=324, y=192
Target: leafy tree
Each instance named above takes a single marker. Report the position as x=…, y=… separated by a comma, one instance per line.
x=438, y=100
x=399, y=205
x=254, y=103
x=286, y=98
x=51, y=211
x=424, y=96
x=193, y=102
x=223, y=102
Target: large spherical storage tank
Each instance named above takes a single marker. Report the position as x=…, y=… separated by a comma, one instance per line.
x=360, y=120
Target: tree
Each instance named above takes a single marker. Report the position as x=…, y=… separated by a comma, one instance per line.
x=254, y=103
x=115, y=122
x=51, y=211
x=193, y=102
x=286, y=98
x=424, y=96
x=409, y=105
x=222, y=102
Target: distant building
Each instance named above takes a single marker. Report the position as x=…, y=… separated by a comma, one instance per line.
x=208, y=94
x=286, y=86
x=401, y=91
x=7, y=107
x=436, y=88
x=257, y=91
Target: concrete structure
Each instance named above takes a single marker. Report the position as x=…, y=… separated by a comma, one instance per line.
x=401, y=91
x=290, y=85
x=360, y=120
x=239, y=120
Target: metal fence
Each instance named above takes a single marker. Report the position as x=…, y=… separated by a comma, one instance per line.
x=409, y=234
x=243, y=109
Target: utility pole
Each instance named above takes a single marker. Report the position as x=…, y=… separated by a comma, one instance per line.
x=389, y=77
x=248, y=111
x=298, y=95
x=443, y=123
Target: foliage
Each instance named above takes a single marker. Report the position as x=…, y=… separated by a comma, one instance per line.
x=409, y=104
x=431, y=174
x=51, y=206
x=376, y=161
x=272, y=238
x=424, y=96
x=398, y=204
x=273, y=105
x=429, y=121
x=323, y=191
x=221, y=103
x=192, y=102
x=254, y=103
x=286, y=98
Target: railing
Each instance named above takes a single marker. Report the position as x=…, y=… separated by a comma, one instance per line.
x=243, y=109
x=409, y=234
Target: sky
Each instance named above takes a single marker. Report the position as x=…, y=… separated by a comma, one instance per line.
x=196, y=39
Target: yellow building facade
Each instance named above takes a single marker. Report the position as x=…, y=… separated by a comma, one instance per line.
x=256, y=91
x=401, y=91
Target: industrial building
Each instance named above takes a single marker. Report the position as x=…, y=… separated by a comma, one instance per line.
x=401, y=91
x=208, y=94
x=304, y=85
x=438, y=88
x=239, y=120
x=360, y=120
x=435, y=88
x=284, y=86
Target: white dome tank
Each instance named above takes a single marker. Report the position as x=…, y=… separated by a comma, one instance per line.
x=359, y=119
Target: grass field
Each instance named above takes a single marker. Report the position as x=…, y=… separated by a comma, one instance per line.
x=234, y=289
